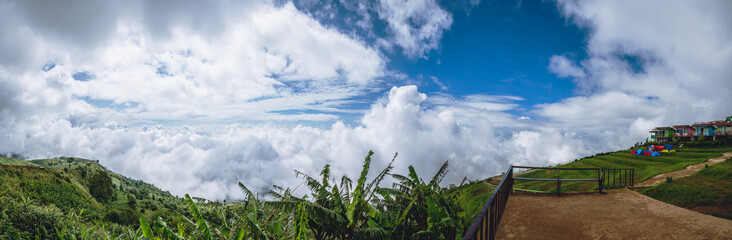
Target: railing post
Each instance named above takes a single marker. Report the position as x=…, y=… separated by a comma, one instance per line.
x=632, y=178
x=599, y=179
x=559, y=184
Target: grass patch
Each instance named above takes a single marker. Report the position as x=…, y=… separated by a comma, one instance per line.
x=15, y=162
x=472, y=197
x=711, y=188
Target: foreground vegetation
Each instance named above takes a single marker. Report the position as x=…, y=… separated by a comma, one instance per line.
x=708, y=191
x=70, y=198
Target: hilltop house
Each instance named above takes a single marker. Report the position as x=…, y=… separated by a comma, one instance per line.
x=702, y=130
x=662, y=134
x=683, y=132
x=724, y=128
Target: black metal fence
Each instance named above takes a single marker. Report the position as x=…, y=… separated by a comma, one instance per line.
x=559, y=181
x=486, y=223
x=618, y=177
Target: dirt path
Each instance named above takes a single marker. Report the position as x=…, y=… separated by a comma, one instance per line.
x=658, y=179
x=617, y=214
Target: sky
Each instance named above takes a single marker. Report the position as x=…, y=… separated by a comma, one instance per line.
x=197, y=96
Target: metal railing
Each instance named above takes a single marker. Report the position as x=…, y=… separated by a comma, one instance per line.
x=559, y=181
x=618, y=177
x=486, y=223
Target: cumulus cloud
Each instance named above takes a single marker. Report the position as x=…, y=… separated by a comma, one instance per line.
x=649, y=63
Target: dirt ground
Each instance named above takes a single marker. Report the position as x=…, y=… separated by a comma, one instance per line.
x=616, y=214
x=658, y=179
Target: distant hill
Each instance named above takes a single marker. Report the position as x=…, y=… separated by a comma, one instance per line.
x=62, y=187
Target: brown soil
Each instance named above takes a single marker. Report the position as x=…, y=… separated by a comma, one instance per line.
x=616, y=214
x=660, y=178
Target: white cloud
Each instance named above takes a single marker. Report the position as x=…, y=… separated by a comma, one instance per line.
x=178, y=68
x=649, y=63
x=564, y=68
x=417, y=25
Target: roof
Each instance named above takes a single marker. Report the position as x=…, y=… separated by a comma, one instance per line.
x=724, y=124
x=703, y=124
x=682, y=126
x=663, y=128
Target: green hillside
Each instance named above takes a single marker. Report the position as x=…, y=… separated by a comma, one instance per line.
x=15, y=162
x=75, y=195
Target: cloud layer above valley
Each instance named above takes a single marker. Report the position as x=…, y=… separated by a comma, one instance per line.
x=196, y=97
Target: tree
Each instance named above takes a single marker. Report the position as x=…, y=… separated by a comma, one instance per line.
x=100, y=186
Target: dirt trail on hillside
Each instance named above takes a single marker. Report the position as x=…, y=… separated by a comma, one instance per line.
x=658, y=179
x=617, y=214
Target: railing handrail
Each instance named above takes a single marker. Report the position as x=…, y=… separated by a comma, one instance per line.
x=486, y=206
x=557, y=168
x=496, y=214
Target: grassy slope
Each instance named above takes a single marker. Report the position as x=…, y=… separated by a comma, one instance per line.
x=63, y=185
x=645, y=167
x=15, y=162
x=708, y=191
x=473, y=196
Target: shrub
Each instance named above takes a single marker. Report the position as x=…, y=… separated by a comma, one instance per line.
x=100, y=186
x=669, y=179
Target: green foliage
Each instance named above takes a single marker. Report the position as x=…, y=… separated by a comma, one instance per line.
x=100, y=186
x=411, y=209
x=301, y=224
x=203, y=228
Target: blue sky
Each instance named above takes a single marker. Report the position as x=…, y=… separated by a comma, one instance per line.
x=504, y=49
x=493, y=48
x=195, y=97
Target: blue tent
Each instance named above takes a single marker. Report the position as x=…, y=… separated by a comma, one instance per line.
x=655, y=154
x=668, y=146
x=639, y=152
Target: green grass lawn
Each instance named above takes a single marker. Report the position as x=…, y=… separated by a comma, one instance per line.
x=16, y=162
x=711, y=188
x=645, y=167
